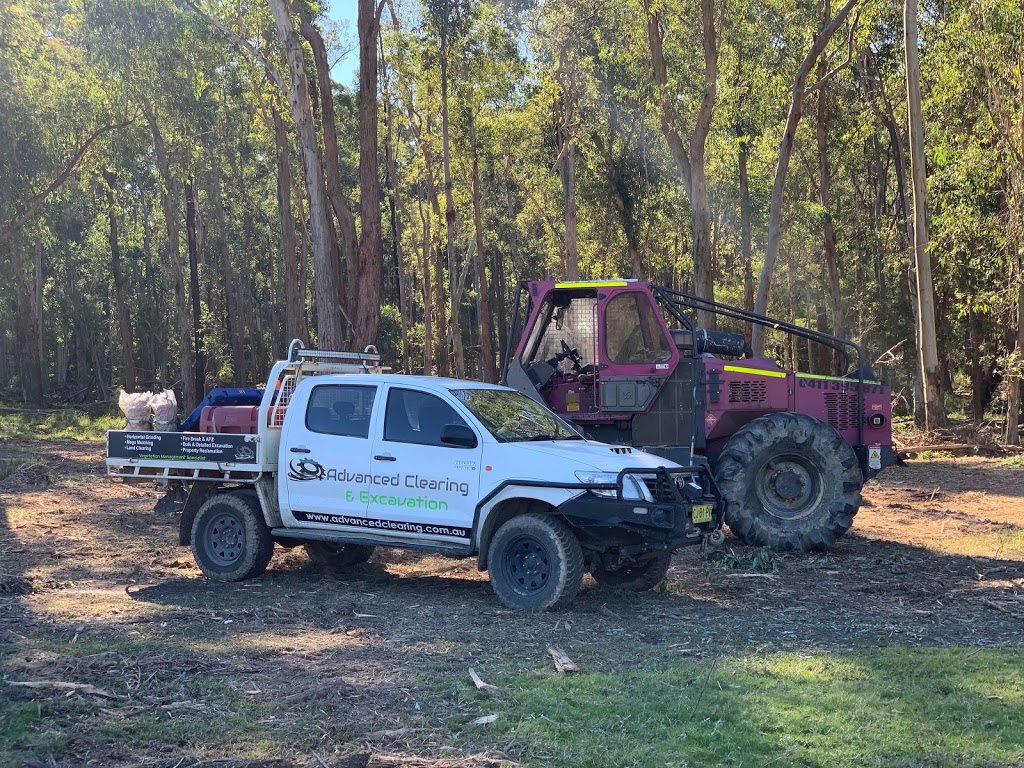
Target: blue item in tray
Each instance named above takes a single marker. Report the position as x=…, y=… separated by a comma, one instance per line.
x=222, y=396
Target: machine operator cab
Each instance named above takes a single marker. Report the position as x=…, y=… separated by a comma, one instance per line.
x=600, y=350
x=583, y=339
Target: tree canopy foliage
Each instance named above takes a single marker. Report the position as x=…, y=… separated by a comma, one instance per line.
x=183, y=188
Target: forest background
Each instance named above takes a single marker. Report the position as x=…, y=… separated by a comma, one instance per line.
x=184, y=189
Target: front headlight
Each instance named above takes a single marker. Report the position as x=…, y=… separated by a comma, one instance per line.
x=633, y=488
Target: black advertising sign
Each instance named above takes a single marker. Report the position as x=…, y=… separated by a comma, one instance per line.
x=181, y=446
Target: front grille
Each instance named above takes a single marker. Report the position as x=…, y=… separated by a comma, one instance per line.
x=747, y=392
x=841, y=410
x=660, y=489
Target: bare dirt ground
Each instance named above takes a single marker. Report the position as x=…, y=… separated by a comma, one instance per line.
x=370, y=664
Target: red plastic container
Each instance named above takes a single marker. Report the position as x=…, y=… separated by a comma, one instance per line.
x=230, y=419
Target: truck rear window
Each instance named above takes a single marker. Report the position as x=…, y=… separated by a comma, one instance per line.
x=340, y=409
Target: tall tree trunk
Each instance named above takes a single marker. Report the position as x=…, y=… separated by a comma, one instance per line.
x=124, y=322
x=689, y=153
x=425, y=286
x=1013, y=378
x=565, y=75
x=347, y=245
x=746, y=249
x=326, y=287
x=828, y=228
x=193, y=273
x=486, y=333
x=366, y=319
x=455, y=324
x=934, y=408
x=796, y=111
x=405, y=302
x=567, y=173
x=169, y=197
x=294, y=289
x=233, y=319
x=31, y=309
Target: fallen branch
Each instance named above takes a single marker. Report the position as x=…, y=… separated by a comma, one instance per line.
x=92, y=690
x=480, y=684
x=395, y=733
x=563, y=663
x=951, y=448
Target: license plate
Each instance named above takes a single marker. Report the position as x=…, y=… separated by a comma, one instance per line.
x=702, y=513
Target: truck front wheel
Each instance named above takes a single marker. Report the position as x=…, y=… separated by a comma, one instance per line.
x=230, y=539
x=790, y=482
x=535, y=562
x=635, y=578
x=328, y=555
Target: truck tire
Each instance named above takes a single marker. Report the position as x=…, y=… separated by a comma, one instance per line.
x=535, y=562
x=790, y=482
x=326, y=554
x=638, y=578
x=230, y=539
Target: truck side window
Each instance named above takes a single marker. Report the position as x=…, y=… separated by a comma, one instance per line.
x=632, y=332
x=340, y=409
x=416, y=417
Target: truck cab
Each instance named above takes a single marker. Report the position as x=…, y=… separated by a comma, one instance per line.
x=343, y=462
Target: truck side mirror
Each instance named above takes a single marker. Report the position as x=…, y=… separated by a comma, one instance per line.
x=458, y=436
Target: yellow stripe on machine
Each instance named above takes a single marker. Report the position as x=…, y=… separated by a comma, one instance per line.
x=825, y=378
x=593, y=284
x=757, y=372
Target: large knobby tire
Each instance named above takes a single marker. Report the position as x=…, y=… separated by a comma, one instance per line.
x=790, y=483
x=326, y=554
x=535, y=562
x=230, y=539
x=637, y=578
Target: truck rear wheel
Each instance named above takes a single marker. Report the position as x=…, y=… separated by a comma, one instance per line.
x=535, y=562
x=637, y=578
x=230, y=539
x=790, y=482
x=329, y=555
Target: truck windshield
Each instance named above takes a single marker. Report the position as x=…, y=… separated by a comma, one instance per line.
x=513, y=417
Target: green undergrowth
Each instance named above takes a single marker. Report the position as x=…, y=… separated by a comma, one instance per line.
x=760, y=560
x=66, y=424
x=1014, y=462
x=9, y=466
x=892, y=707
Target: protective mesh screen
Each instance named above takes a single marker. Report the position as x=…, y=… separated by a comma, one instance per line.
x=576, y=325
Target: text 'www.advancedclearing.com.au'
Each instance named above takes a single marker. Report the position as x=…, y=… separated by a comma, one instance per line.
x=382, y=525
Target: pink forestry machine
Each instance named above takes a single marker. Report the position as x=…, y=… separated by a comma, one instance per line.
x=626, y=362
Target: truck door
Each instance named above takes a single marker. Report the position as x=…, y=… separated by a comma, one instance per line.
x=427, y=489
x=325, y=457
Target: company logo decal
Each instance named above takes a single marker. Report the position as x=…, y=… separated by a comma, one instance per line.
x=305, y=469
x=244, y=452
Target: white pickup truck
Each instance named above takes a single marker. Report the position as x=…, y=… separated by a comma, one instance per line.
x=342, y=462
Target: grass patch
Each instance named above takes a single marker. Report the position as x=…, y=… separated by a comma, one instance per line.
x=67, y=424
x=894, y=707
x=1014, y=462
x=169, y=699
x=760, y=560
x=9, y=466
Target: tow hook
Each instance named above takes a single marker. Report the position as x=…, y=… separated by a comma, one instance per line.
x=716, y=537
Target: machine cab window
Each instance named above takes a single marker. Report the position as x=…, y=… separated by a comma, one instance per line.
x=633, y=334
